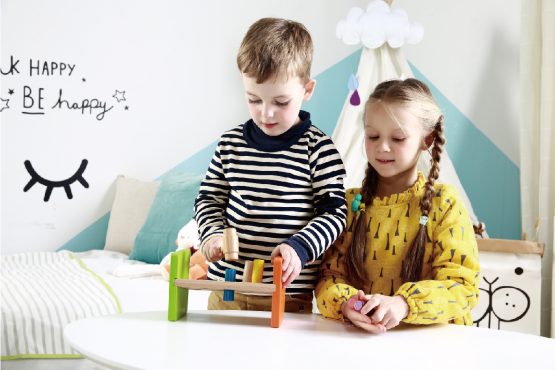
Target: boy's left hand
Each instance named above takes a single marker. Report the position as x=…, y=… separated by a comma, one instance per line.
x=291, y=262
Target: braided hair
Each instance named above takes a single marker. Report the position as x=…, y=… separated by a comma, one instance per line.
x=415, y=96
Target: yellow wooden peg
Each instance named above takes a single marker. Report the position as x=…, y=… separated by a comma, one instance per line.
x=257, y=271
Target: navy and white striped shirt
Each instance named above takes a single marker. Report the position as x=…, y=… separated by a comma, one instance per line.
x=274, y=189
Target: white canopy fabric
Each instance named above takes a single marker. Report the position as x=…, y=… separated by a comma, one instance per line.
x=377, y=65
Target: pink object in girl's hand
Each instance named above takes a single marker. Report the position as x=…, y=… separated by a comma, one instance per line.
x=355, y=303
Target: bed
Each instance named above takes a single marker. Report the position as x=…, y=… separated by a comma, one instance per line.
x=32, y=335
x=43, y=291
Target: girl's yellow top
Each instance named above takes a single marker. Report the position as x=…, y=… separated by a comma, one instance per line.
x=448, y=288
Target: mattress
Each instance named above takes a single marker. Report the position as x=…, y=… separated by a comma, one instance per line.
x=137, y=287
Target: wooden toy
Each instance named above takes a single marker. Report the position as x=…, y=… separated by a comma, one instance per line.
x=257, y=271
x=179, y=286
x=247, y=272
x=229, y=295
x=230, y=245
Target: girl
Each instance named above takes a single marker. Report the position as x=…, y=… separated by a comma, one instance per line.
x=409, y=252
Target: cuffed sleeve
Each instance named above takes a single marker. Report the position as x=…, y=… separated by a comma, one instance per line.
x=452, y=291
x=334, y=288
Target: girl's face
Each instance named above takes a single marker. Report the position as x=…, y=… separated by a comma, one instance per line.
x=394, y=139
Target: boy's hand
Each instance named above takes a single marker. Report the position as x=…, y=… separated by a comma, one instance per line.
x=291, y=262
x=212, y=249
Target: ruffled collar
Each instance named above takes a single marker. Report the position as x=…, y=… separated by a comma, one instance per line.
x=416, y=189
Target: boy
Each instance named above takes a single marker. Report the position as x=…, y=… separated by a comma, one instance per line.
x=277, y=178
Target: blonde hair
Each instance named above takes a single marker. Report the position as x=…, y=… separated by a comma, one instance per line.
x=415, y=96
x=272, y=46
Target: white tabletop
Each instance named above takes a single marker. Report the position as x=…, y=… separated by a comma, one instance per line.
x=245, y=340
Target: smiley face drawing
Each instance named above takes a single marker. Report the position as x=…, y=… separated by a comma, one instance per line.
x=502, y=304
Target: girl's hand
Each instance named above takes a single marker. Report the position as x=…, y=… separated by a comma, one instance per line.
x=212, y=249
x=291, y=262
x=361, y=320
x=387, y=311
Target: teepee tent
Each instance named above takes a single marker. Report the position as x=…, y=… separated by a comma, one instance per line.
x=381, y=30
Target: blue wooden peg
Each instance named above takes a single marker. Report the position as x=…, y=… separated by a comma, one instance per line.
x=229, y=295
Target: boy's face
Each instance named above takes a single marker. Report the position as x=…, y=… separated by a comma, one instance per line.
x=274, y=105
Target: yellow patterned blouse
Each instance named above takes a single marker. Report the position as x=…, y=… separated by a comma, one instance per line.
x=448, y=288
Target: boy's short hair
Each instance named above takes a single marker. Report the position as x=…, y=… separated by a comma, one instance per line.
x=274, y=45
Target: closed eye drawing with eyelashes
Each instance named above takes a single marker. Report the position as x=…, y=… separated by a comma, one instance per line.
x=50, y=185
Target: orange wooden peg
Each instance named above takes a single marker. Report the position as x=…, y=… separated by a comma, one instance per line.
x=278, y=296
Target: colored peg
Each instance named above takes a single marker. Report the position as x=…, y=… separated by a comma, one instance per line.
x=229, y=295
x=257, y=271
x=247, y=272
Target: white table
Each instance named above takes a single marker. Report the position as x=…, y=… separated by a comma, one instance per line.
x=245, y=340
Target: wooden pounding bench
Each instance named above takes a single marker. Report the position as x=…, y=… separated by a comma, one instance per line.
x=179, y=286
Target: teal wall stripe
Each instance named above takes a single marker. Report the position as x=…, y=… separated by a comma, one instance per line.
x=94, y=236
x=331, y=90
x=491, y=179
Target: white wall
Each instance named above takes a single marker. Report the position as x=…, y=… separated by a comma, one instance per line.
x=175, y=60
x=470, y=51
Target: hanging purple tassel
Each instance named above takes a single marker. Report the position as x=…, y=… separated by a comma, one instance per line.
x=353, y=86
x=355, y=98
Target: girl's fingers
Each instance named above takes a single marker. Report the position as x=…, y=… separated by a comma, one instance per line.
x=370, y=304
x=389, y=321
x=391, y=324
x=379, y=314
x=371, y=328
x=386, y=321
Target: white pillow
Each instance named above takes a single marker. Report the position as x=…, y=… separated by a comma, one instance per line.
x=132, y=202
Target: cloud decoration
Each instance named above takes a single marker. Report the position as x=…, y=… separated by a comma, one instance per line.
x=377, y=25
